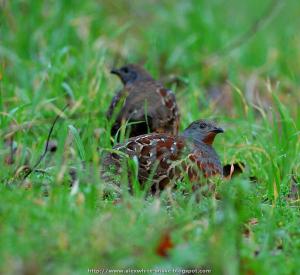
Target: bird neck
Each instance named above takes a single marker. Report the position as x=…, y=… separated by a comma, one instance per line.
x=209, y=139
x=195, y=141
x=139, y=80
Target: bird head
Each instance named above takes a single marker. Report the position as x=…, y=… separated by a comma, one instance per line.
x=131, y=73
x=203, y=131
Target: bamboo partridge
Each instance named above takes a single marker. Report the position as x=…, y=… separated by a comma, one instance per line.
x=164, y=158
x=144, y=103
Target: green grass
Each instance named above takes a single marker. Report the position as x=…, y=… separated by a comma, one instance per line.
x=54, y=52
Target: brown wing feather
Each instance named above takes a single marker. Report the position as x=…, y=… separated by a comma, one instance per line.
x=115, y=102
x=166, y=158
x=150, y=103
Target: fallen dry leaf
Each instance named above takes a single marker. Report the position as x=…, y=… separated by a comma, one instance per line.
x=294, y=193
x=165, y=245
x=247, y=230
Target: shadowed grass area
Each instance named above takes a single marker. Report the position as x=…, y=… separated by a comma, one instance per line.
x=58, y=52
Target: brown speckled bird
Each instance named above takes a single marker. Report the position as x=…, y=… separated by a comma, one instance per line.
x=168, y=158
x=143, y=100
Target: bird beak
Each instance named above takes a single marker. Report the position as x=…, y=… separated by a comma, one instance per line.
x=115, y=71
x=217, y=130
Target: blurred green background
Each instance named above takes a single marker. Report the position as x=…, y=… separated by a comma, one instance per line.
x=234, y=61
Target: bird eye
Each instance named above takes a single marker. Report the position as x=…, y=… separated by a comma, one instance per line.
x=202, y=125
x=125, y=70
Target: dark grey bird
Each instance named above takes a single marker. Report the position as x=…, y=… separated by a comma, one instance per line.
x=143, y=103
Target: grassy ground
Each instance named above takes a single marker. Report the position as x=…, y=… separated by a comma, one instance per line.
x=54, y=52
